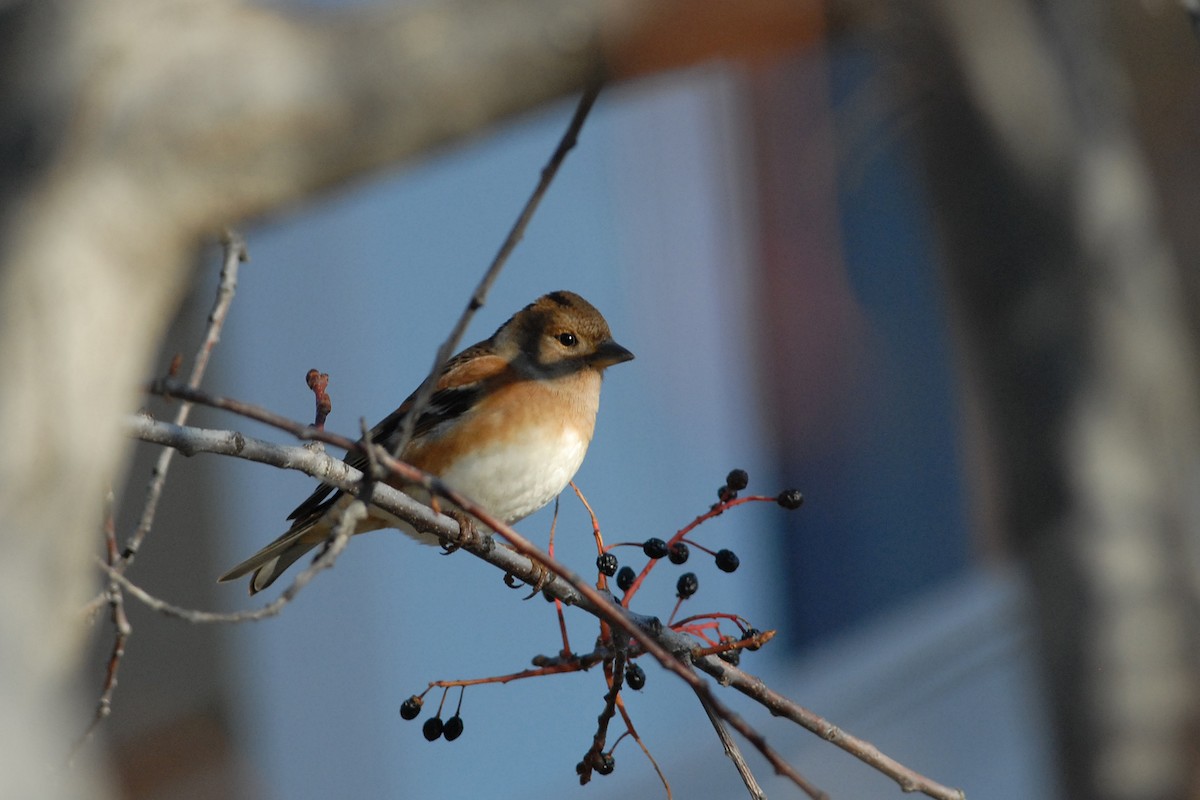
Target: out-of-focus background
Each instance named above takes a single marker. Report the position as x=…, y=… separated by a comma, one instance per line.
x=763, y=237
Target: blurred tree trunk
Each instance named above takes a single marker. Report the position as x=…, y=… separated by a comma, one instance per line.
x=1081, y=370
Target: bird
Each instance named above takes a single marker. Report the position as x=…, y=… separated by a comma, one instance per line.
x=508, y=426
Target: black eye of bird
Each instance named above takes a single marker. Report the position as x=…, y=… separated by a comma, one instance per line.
x=568, y=339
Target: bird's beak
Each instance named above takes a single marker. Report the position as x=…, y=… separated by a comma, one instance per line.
x=609, y=353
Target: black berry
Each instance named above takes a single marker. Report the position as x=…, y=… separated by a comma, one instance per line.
x=750, y=634
x=725, y=494
x=605, y=764
x=790, y=499
x=607, y=564
x=432, y=728
x=635, y=677
x=730, y=656
x=411, y=708
x=727, y=560
x=654, y=548
x=678, y=553
x=737, y=480
x=687, y=585
x=625, y=578
x=453, y=728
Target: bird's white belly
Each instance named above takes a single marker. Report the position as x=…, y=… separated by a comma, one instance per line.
x=516, y=478
x=511, y=480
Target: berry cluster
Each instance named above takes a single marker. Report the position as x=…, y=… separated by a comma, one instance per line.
x=434, y=728
x=706, y=629
x=678, y=549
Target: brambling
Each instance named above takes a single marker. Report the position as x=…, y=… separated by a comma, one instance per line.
x=507, y=426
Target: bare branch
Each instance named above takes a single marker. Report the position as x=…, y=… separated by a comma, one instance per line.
x=735, y=754
x=235, y=254
x=316, y=463
x=121, y=633
x=751, y=686
x=527, y=563
x=351, y=515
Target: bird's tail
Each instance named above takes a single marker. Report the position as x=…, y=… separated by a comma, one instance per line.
x=271, y=562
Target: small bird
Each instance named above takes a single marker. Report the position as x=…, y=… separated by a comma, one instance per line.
x=508, y=425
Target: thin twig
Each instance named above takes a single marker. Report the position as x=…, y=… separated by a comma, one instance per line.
x=558, y=606
x=614, y=671
x=777, y=762
x=728, y=645
x=350, y=517
x=781, y=706
x=632, y=732
x=601, y=581
x=560, y=667
x=734, y=753
x=569, y=138
x=170, y=388
x=315, y=463
x=235, y=254
x=714, y=511
x=121, y=633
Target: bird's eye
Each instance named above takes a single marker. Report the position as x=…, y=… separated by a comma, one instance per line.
x=568, y=339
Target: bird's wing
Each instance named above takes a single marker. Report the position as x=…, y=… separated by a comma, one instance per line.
x=462, y=381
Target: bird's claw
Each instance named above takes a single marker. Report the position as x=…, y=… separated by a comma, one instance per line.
x=469, y=535
x=544, y=576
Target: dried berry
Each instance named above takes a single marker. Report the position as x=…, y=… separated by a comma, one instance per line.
x=687, y=585
x=635, y=677
x=737, y=480
x=607, y=564
x=432, y=728
x=625, y=578
x=654, y=548
x=750, y=634
x=727, y=560
x=411, y=708
x=731, y=656
x=453, y=728
x=678, y=553
x=605, y=764
x=791, y=499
